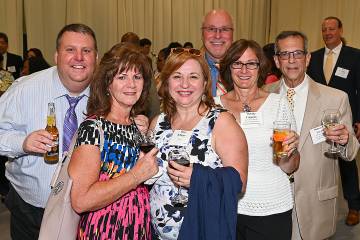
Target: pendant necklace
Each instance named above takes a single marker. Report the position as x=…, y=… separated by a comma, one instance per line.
x=246, y=106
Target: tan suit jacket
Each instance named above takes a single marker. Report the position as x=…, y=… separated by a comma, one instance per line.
x=316, y=182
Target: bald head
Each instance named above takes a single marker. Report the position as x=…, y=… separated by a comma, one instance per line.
x=217, y=33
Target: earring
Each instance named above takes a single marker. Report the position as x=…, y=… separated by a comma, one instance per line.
x=203, y=97
x=107, y=94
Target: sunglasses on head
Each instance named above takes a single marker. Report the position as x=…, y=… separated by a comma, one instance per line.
x=192, y=51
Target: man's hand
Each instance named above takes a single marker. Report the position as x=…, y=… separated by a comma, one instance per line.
x=39, y=141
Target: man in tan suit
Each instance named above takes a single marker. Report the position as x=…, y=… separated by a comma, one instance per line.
x=316, y=181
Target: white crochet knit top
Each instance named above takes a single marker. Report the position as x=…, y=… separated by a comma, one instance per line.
x=268, y=188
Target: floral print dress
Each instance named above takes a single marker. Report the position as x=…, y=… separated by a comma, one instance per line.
x=165, y=217
x=129, y=216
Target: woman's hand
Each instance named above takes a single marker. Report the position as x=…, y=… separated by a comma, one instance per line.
x=142, y=122
x=290, y=163
x=180, y=174
x=146, y=167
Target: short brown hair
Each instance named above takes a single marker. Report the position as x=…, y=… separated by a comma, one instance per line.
x=173, y=63
x=78, y=28
x=235, y=51
x=121, y=57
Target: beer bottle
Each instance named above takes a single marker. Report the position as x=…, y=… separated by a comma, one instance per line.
x=53, y=155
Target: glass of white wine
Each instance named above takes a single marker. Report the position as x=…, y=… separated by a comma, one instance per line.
x=331, y=117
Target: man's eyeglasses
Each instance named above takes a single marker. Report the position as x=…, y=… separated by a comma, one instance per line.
x=298, y=54
x=214, y=30
x=192, y=51
x=248, y=65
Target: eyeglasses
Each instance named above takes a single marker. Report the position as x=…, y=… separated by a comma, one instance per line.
x=214, y=30
x=298, y=54
x=248, y=65
x=192, y=51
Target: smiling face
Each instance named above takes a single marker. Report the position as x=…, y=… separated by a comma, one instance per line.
x=216, y=43
x=187, y=84
x=76, y=59
x=293, y=69
x=126, y=88
x=331, y=33
x=245, y=78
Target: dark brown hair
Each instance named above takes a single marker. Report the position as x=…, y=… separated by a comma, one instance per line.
x=121, y=57
x=173, y=63
x=235, y=51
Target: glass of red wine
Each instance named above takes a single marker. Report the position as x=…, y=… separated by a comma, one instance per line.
x=180, y=156
x=146, y=140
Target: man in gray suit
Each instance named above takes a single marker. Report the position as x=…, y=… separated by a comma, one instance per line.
x=316, y=181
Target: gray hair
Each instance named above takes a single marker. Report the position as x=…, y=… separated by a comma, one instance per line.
x=286, y=34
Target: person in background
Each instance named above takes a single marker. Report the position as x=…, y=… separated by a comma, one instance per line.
x=265, y=208
x=190, y=121
x=113, y=202
x=23, y=111
x=145, y=45
x=274, y=74
x=316, y=181
x=34, y=64
x=6, y=79
x=217, y=36
x=12, y=62
x=188, y=45
x=130, y=37
x=341, y=71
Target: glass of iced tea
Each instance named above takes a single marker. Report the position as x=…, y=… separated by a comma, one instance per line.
x=281, y=131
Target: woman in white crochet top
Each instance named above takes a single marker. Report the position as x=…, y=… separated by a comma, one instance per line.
x=264, y=211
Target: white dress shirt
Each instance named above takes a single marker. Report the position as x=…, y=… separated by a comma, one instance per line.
x=23, y=110
x=300, y=99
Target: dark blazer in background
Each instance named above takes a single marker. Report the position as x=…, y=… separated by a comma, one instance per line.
x=14, y=60
x=349, y=59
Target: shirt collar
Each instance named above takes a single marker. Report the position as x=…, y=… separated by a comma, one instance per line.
x=60, y=90
x=299, y=88
x=336, y=50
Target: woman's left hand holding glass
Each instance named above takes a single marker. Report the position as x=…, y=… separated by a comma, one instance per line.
x=290, y=163
x=180, y=174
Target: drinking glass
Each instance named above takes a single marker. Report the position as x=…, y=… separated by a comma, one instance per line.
x=331, y=117
x=145, y=140
x=280, y=132
x=180, y=156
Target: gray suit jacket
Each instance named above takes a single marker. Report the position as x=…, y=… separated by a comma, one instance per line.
x=317, y=179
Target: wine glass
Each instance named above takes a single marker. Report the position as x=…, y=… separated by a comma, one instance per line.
x=180, y=156
x=145, y=140
x=331, y=117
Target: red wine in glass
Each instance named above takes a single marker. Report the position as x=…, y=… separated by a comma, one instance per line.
x=146, y=147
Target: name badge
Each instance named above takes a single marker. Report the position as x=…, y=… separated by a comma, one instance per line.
x=11, y=69
x=342, y=72
x=251, y=119
x=317, y=135
x=180, y=138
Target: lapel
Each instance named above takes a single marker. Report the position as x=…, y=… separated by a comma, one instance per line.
x=311, y=112
x=321, y=65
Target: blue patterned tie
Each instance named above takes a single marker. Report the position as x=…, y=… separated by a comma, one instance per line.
x=70, y=121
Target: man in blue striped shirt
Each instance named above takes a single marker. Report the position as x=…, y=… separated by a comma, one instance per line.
x=23, y=111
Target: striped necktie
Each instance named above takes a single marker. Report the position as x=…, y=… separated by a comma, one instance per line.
x=70, y=121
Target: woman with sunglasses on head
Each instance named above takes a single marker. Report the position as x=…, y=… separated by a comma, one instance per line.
x=264, y=211
x=190, y=122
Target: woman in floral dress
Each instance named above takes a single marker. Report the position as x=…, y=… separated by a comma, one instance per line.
x=192, y=122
